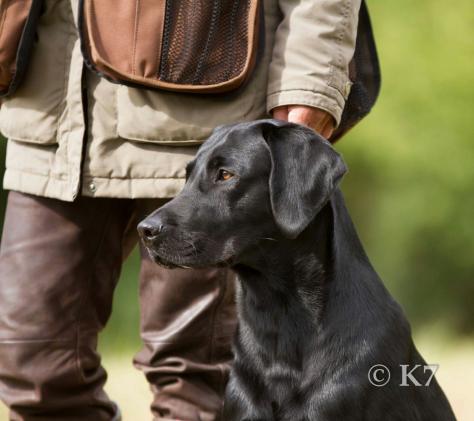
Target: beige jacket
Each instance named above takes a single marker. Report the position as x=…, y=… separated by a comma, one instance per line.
x=135, y=143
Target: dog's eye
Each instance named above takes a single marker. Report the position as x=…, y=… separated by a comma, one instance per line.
x=224, y=175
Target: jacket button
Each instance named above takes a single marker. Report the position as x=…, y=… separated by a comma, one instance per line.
x=347, y=89
x=92, y=187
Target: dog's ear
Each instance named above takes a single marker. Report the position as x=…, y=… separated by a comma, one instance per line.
x=305, y=172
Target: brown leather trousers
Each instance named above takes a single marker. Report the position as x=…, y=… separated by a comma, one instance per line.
x=59, y=264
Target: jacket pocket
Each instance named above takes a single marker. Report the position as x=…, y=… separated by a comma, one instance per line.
x=33, y=113
x=166, y=118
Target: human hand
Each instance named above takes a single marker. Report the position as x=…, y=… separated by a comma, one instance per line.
x=315, y=118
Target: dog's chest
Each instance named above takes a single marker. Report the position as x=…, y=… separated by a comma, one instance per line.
x=275, y=336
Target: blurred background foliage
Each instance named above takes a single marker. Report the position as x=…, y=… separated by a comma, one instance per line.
x=410, y=188
x=411, y=181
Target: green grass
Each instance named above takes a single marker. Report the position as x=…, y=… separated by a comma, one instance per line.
x=129, y=389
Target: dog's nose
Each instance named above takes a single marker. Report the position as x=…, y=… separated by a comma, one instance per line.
x=150, y=230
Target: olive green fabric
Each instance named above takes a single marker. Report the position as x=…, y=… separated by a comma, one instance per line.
x=135, y=143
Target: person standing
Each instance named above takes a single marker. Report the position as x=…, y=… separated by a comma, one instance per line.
x=87, y=159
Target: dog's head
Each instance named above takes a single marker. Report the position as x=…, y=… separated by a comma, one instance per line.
x=249, y=182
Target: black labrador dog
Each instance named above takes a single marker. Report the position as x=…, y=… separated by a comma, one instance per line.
x=319, y=337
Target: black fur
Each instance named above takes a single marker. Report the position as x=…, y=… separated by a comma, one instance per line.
x=314, y=316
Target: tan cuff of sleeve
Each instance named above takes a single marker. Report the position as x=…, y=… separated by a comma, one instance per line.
x=309, y=98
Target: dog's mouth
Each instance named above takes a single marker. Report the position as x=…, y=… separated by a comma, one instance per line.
x=168, y=261
x=165, y=261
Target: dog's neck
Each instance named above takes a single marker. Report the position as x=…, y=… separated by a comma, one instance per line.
x=277, y=275
x=288, y=288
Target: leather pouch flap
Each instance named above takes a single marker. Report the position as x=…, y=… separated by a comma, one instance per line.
x=177, y=45
x=18, y=19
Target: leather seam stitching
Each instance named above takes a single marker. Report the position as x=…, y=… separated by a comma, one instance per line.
x=135, y=35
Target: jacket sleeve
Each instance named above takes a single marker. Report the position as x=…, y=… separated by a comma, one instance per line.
x=314, y=44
